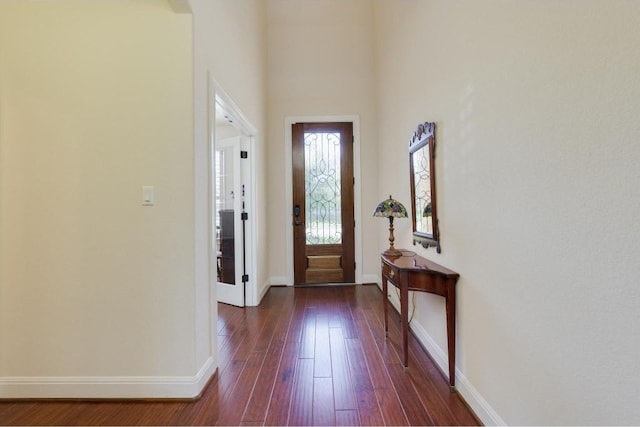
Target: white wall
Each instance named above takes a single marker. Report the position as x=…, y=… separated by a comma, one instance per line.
x=320, y=63
x=96, y=291
x=229, y=47
x=536, y=105
x=96, y=100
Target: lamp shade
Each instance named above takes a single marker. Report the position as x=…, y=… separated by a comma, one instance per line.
x=390, y=208
x=428, y=211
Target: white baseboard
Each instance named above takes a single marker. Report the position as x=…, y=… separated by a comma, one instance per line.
x=473, y=398
x=370, y=278
x=279, y=281
x=263, y=291
x=478, y=404
x=181, y=387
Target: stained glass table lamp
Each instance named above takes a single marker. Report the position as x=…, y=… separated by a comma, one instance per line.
x=391, y=208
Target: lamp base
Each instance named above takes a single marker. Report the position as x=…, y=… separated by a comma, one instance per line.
x=392, y=253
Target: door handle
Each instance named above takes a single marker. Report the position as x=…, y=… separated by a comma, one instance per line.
x=296, y=215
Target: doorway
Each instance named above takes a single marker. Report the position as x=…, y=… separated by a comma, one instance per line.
x=323, y=203
x=232, y=176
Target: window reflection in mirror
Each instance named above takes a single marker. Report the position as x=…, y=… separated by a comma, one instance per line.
x=423, y=187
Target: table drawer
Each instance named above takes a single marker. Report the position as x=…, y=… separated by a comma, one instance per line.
x=390, y=272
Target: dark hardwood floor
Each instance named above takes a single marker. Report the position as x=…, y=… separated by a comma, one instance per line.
x=305, y=356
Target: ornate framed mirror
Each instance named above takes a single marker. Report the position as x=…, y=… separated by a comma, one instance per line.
x=424, y=217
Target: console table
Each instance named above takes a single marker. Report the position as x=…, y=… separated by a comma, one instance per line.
x=415, y=273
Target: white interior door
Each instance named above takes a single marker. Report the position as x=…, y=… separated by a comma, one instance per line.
x=229, y=239
x=231, y=135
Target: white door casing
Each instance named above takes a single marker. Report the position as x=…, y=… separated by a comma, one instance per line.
x=222, y=108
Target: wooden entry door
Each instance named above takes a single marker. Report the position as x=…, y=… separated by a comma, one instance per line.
x=322, y=211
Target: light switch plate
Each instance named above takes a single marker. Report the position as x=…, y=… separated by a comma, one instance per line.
x=148, y=195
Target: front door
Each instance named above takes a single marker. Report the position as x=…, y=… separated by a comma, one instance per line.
x=322, y=211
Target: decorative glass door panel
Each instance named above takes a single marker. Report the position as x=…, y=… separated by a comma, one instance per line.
x=322, y=188
x=322, y=213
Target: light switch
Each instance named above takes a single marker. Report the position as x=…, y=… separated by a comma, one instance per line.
x=148, y=195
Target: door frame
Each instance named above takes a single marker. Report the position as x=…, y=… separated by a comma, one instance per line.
x=357, y=198
x=217, y=95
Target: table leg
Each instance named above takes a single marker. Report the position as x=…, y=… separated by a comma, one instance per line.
x=385, y=304
x=451, y=334
x=404, y=315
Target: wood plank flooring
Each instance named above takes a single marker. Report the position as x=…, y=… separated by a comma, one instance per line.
x=305, y=356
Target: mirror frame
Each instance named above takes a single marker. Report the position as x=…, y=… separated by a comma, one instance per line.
x=424, y=137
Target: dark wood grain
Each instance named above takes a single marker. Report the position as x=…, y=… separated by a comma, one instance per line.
x=278, y=410
x=323, y=406
x=415, y=273
x=342, y=384
x=368, y=406
x=259, y=402
x=322, y=263
x=347, y=418
x=241, y=392
x=305, y=356
x=391, y=407
x=301, y=409
x=308, y=340
x=322, y=359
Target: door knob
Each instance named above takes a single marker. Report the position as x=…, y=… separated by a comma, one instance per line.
x=296, y=215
